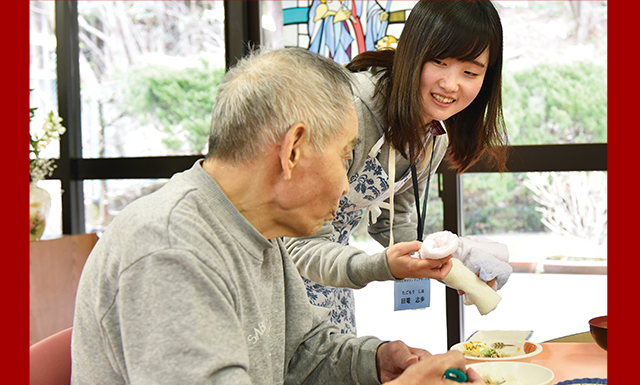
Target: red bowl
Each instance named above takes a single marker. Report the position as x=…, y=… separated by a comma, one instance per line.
x=598, y=328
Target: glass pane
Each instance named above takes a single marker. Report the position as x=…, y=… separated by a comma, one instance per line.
x=43, y=82
x=308, y=23
x=104, y=199
x=149, y=72
x=42, y=69
x=271, y=24
x=555, y=71
x=421, y=328
x=555, y=226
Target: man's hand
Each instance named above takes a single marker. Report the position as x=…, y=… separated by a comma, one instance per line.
x=394, y=357
x=402, y=265
x=419, y=366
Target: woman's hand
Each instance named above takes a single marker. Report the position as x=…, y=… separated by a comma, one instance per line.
x=402, y=265
x=427, y=369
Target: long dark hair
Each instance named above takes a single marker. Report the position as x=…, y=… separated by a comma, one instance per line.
x=438, y=30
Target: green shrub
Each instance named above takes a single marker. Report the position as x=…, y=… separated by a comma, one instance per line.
x=556, y=103
x=178, y=101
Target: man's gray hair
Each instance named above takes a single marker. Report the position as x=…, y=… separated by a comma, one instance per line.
x=267, y=92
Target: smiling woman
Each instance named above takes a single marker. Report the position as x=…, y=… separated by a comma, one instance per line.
x=449, y=85
x=447, y=68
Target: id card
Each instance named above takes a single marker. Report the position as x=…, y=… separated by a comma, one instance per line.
x=412, y=293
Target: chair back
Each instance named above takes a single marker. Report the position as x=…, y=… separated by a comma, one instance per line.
x=55, y=266
x=50, y=360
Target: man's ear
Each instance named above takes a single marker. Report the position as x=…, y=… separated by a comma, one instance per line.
x=291, y=148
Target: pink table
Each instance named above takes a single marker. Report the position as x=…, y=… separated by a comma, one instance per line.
x=573, y=360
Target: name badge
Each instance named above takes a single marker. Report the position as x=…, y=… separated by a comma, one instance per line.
x=412, y=293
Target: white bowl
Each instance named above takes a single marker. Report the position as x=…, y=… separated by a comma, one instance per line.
x=515, y=373
x=522, y=351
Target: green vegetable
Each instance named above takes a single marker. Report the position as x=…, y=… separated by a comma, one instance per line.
x=487, y=353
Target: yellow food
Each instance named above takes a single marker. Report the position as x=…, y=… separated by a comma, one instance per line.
x=474, y=347
x=480, y=350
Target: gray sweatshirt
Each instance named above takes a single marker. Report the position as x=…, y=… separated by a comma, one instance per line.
x=182, y=289
x=332, y=264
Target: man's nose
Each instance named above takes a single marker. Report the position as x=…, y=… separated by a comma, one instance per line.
x=346, y=184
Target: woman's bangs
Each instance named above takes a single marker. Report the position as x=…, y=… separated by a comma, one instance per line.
x=466, y=45
x=466, y=32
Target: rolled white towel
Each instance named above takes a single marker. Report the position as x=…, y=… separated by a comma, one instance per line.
x=476, y=290
x=439, y=245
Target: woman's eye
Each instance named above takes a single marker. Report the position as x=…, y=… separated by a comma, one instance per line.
x=438, y=61
x=470, y=73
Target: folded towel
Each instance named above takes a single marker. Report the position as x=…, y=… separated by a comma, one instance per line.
x=488, y=267
x=498, y=250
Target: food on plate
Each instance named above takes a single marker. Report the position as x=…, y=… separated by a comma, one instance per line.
x=479, y=349
x=513, y=373
x=503, y=382
x=499, y=345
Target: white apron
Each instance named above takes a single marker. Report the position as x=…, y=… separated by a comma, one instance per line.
x=368, y=187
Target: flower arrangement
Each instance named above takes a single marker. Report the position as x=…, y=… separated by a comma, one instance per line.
x=40, y=168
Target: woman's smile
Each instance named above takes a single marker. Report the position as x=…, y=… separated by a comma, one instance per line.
x=442, y=99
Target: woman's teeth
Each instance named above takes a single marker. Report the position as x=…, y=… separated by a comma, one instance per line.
x=442, y=99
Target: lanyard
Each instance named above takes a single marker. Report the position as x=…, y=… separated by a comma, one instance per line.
x=414, y=177
x=436, y=129
x=416, y=293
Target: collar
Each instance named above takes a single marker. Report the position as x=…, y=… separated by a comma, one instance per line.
x=435, y=128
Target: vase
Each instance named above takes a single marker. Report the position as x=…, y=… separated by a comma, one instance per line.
x=39, y=206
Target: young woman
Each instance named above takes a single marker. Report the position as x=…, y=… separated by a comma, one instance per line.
x=438, y=94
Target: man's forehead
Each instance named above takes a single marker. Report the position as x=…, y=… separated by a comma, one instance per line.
x=352, y=126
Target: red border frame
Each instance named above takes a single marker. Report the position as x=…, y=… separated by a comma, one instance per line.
x=623, y=134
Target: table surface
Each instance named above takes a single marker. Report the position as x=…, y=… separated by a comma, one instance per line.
x=569, y=361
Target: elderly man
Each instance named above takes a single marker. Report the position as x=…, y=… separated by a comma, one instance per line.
x=192, y=284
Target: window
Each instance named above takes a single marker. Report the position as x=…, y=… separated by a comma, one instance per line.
x=128, y=63
x=149, y=71
x=555, y=226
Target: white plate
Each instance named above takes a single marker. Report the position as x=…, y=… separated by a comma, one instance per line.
x=524, y=373
x=520, y=350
